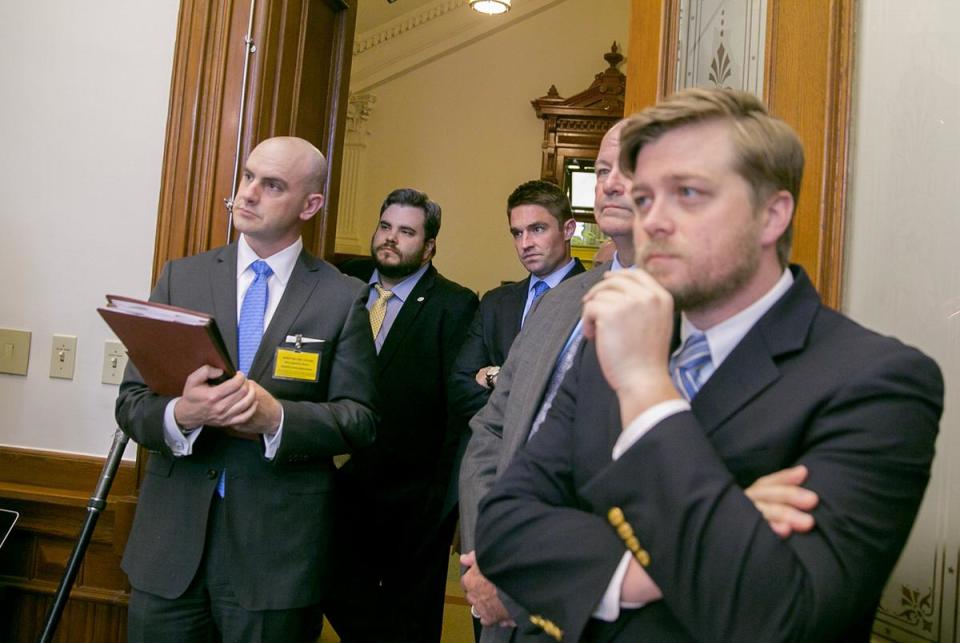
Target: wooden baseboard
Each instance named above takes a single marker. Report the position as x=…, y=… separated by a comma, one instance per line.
x=51, y=492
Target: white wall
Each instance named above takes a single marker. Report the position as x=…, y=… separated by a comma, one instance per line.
x=84, y=92
x=462, y=128
x=902, y=269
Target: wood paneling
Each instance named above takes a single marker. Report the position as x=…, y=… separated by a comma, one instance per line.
x=809, y=55
x=51, y=492
x=808, y=84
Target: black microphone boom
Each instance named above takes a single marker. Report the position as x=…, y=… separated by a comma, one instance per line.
x=97, y=502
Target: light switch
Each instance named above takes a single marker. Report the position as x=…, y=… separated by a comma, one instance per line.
x=63, y=356
x=114, y=361
x=14, y=351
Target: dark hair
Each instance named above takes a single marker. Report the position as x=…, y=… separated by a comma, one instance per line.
x=547, y=195
x=769, y=153
x=417, y=199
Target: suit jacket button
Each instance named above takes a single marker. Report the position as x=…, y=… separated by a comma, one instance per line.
x=212, y=474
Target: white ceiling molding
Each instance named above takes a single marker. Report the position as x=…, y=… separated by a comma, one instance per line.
x=424, y=34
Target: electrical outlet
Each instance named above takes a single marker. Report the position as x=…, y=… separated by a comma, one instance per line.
x=114, y=361
x=63, y=356
x=14, y=351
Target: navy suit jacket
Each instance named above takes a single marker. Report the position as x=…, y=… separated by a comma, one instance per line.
x=279, y=512
x=805, y=386
x=402, y=478
x=491, y=334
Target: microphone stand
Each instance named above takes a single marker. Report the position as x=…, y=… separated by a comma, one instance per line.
x=97, y=503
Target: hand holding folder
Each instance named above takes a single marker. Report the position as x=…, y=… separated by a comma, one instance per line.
x=166, y=343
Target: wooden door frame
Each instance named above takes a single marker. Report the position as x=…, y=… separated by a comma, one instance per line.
x=808, y=83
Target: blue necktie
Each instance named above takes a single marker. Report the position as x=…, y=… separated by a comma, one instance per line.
x=559, y=371
x=686, y=367
x=250, y=331
x=252, y=312
x=539, y=288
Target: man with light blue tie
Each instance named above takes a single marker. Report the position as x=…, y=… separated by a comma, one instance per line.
x=231, y=538
x=541, y=224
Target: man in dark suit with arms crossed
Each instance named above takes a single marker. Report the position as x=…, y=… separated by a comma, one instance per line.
x=231, y=535
x=625, y=517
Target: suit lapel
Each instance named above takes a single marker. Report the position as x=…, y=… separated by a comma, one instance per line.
x=223, y=293
x=406, y=318
x=752, y=366
x=546, y=350
x=512, y=314
x=303, y=281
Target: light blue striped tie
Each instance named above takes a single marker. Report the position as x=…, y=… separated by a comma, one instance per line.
x=686, y=367
x=250, y=331
x=559, y=372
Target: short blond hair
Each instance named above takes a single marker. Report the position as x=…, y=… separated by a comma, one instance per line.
x=769, y=153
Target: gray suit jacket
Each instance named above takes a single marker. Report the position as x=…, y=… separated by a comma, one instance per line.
x=503, y=424
x=279, y=512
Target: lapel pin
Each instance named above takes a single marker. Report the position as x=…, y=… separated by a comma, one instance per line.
x=419, y=298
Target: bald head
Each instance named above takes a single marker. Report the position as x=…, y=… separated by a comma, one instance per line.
x=612, y=206
x=613, y=134
x=304, y=162
x=281, y=190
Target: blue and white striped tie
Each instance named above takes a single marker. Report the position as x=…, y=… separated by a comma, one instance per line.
x=687, y=366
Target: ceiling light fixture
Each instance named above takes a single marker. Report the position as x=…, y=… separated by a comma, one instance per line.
x=490, y=7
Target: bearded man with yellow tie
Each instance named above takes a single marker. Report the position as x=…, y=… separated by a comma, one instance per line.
x=396, y=526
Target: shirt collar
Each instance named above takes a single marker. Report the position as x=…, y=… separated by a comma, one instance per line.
x=615, y=264
x=725, y=336
x=403, y=289
x=555, y=277
x=281, y=263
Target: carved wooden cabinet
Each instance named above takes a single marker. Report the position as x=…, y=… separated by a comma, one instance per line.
x=573, y=127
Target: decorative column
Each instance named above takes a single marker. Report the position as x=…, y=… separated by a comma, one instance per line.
x=359, y=108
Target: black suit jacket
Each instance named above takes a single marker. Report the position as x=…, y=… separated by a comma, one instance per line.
x=491, y=334
x=402, y=478
x=279, y=511
x=805, y=386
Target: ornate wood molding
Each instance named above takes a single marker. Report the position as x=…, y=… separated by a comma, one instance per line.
x=573, y=127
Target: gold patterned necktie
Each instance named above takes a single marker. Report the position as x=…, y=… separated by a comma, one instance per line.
x=379, y=309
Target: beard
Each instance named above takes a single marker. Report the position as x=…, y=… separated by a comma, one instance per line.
x=407, y=265
x=703, y=290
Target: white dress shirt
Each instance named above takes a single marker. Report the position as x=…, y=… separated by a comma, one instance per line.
x=282, y=265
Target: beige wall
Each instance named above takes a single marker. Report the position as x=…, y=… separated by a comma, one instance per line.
x=84, y=98
x=462, y=129
x=902, y=274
